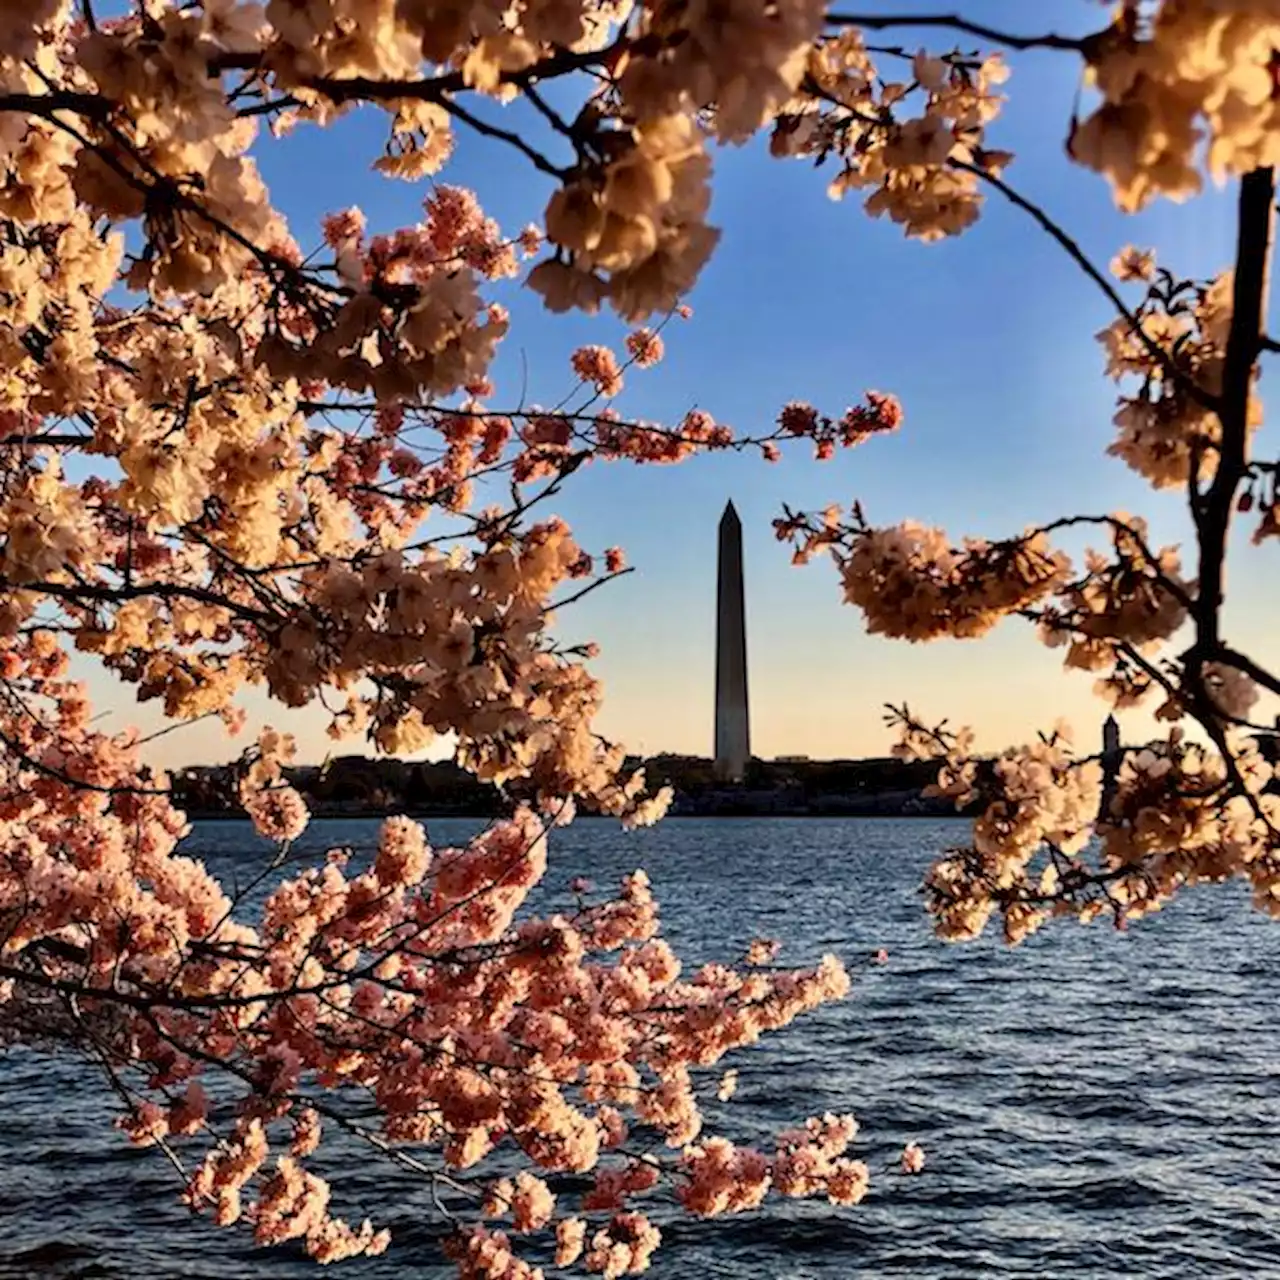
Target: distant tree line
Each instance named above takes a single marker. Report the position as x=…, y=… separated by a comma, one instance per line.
x=359, y=785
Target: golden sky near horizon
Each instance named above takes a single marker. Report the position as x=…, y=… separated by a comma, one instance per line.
x=824, y=699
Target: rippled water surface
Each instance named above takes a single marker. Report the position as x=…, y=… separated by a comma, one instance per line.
x=1092, y=1105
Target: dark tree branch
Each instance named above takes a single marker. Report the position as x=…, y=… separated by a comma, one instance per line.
x=1253, y=251
x=48, y=438
x=1260, y=675
x=1081, y=259
x=79, y=593
x=482, y=127
x=43, y=104
x=953, y=22
x=371, y=89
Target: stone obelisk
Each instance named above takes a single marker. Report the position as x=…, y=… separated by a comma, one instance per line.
x=733, y=731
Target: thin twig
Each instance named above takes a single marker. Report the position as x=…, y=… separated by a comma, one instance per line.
x=953, y=22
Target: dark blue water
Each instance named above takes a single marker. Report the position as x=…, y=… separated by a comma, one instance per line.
x=1092, y=1104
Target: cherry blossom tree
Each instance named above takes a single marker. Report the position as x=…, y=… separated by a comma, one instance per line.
x=222, y=438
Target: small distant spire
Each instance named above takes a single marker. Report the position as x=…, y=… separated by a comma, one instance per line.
x=730, y=514
x=1110, y=737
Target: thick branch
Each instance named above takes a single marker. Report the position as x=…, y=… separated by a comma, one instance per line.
x=41, y=104
x=1253, y=251
x=1250, y=668
x=371, y=89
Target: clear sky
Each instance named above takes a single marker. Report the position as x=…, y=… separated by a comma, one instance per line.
x=987, y=340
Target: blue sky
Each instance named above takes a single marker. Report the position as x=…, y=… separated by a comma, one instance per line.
x=987, y=340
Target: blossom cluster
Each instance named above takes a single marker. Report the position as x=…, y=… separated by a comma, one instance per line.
x=879, y=414
x=1188, y=77
x=1124, y=607
x=910, y=582
x=1169, y=431
x=635, y=232
x=411, y=978
x=723, y=1178
x=1056, y=836
x=922, y=171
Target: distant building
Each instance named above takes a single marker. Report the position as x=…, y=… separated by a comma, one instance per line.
x=733, y=727
x=1112, y=755
x=790, y=759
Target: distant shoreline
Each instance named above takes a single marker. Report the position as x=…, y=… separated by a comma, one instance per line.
x=419, y=816
x=360, y=788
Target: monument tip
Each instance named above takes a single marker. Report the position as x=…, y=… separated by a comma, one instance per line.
x=730, y=514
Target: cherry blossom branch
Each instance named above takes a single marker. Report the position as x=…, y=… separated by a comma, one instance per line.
x=45, y=439
x=1082, y=260
x=511, y=138
x=430, y=89
x=588, y=589
x=80, y=784
x=103, y=1055
x=47, y=105
x=1150, y=559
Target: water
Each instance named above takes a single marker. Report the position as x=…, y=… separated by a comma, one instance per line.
x=1093, y=1105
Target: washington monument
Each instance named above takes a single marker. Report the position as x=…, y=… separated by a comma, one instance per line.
x=733, y=728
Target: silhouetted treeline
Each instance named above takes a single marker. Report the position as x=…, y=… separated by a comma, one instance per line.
x=360, y=786
x=357, y=786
